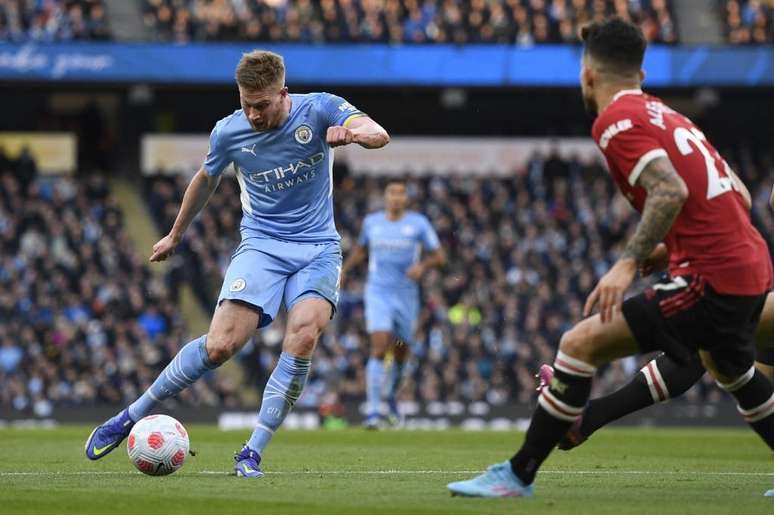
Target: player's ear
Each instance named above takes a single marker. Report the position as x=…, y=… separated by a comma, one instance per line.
x=284, y=91
x=587, y=75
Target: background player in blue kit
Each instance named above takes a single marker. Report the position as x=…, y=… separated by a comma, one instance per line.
x=393, y=240
x=280, y=146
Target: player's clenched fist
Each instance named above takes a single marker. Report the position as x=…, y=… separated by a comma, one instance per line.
x=164, y=248
x=338, y=136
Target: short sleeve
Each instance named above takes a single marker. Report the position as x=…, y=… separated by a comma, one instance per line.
x=362, y=240
x=629, y=147
x=337, y=111
x=430, y=239
x=217, y=159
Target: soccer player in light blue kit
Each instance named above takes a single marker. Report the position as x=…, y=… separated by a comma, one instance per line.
x=393, y=240
x=280, y=146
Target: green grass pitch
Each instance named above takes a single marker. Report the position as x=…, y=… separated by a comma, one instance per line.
x=351, y=471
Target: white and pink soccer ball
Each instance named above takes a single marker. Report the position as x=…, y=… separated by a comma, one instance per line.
x=158, y=445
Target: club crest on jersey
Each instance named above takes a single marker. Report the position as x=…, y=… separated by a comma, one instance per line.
x=303, y=134
x=238, y=285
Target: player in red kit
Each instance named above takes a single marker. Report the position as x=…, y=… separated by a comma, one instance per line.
x=721, y=270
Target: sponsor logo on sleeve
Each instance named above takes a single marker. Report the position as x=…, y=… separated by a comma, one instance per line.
x=347, y=107
x=237, y=285
x=612, y=130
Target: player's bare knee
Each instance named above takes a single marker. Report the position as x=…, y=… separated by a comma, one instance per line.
x=400, y=352
x=302, y=336
x=577, y=343
x=223, y=344
x=378, y=346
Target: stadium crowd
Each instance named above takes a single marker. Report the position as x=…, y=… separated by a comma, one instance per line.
x=53, y=20
x=522, y=22
x=83, y=320
x=523, y=254
x=749, y=21
x=86, y=323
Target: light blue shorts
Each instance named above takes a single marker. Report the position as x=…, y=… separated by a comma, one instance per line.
x=265, y=273
x=392, y=311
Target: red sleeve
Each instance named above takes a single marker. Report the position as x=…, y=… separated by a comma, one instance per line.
x=627, y=143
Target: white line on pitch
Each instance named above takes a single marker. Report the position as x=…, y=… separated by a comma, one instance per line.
x=399, y=472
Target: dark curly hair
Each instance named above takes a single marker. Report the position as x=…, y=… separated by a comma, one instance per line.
x=615, y=43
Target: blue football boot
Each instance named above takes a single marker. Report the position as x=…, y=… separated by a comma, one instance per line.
x=498, y=481
x=108, y=436
x=248, y=463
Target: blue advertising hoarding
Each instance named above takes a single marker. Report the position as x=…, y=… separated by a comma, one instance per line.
x=418, y=65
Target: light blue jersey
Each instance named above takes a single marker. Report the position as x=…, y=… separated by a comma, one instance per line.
x=391, y=298
x=290, y=247
x=285, y=173
x=393, y=246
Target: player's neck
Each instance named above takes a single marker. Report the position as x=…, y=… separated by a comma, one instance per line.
x=607, y=95
x=395, y=215
x=286, y=112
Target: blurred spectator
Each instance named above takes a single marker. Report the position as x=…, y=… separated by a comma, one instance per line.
x=53, y=20
x=749, y=21
x=84, y=321
x=524, y=252
x=521, y=22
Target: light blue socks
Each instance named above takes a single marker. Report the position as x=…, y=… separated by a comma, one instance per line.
x=281, y=393
x=189, y=365
x=374, y=382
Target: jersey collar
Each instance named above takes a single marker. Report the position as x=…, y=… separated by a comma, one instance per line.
x=623, y=92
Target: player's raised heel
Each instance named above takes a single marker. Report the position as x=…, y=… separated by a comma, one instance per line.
x=108, y=436
x=248, y=463
x=498, y=481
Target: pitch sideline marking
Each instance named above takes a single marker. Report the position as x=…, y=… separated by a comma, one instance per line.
x=398, y=472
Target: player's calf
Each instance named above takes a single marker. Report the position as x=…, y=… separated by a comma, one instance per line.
x=559, y=405
x=754, y=396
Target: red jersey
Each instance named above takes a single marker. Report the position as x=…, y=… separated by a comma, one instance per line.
x=712, y=235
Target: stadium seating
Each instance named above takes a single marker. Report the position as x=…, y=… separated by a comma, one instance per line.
x=84, y=321
x=524, y=252
x=749, y=21
x=522, y=22
x=53, y=20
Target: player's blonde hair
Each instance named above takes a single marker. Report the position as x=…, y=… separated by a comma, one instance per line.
x=260, y=69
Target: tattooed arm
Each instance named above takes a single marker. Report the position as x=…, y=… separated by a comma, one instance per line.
x=666, y=195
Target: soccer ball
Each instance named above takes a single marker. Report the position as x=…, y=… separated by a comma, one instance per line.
x=158, y=445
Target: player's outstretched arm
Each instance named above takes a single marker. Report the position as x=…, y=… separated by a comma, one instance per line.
x=361, y=130
x=195, y=198
x=667, y=193
x=356, y=256
x=433, y=259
